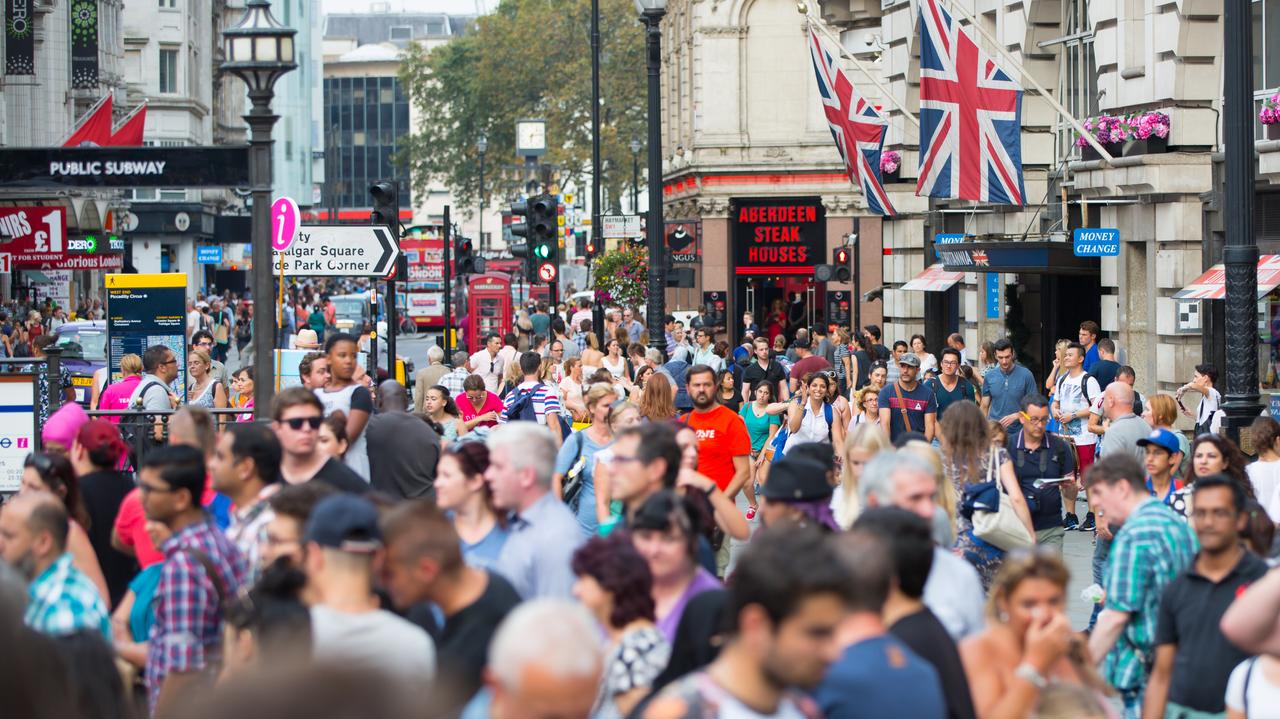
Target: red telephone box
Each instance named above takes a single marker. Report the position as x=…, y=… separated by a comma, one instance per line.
x=488, y=306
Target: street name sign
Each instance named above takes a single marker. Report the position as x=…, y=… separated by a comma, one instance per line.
x=339, y=251
x=1096, y=242
x=619, y=227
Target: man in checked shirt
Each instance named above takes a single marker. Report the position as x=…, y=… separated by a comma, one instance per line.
x=202, y=569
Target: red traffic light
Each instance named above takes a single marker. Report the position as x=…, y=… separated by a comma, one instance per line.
x=591, y=249
x=842, y=256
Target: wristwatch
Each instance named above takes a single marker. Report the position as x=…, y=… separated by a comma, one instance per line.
x=1029, y=673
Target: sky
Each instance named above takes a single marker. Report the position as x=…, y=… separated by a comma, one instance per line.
x=454, y=7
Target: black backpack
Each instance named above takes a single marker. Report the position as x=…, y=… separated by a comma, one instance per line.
x=522, y=409
x=138, y=430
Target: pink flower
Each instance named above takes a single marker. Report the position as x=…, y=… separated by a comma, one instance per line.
x=1268, y=116
x=890, y=161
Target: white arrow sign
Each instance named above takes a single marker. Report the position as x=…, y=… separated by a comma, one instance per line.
x=339, y=250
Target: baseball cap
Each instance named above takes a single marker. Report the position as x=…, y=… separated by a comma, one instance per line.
x=909, y=359
x=99, y=435
x=345, y=522
x=1162, y=438
x=792, y=479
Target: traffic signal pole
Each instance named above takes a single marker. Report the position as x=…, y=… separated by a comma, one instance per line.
x=447, y=235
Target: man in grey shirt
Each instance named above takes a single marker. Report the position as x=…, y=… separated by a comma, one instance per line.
x=159, y=368
x=953, y=590
x=341, y=538
x=544, y=533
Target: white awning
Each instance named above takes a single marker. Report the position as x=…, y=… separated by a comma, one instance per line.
x=1212, y=285
x=934, y=279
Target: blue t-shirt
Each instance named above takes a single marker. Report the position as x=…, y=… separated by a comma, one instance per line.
x=1006, y=392
x=584, y=447
x=881, y=677
x=917, y=403
x=143, y=614
x=1091, y=358
x=484, y=554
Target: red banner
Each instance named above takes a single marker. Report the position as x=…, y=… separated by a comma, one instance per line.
x=35, y=236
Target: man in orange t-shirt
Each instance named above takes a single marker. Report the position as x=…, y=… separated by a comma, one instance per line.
x=724, y=447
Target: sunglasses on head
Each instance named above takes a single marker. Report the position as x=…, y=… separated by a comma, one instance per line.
x=296, y=423
x=41, y=461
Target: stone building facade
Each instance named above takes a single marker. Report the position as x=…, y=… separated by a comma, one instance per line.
x=741, y=117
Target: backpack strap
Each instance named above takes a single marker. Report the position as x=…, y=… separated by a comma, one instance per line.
x=906, y=419
x=1244, y=695
x=212, y=571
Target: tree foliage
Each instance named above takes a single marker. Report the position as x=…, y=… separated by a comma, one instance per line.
x=528, y=59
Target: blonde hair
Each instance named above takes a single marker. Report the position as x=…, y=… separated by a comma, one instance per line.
x=513, y=373
x=197, y=353
x=864, y=436
x=862, y=395
x=130, y=364
x=548, y=370
x=596, y=393
x=1164, y=411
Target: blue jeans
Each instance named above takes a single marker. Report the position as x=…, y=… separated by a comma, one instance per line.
x=1101, y=550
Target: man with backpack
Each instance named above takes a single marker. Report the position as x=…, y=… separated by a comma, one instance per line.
x=1038, y=455
x=532, y=400
x=153, y=393
x=1072, y=398
x=949, y=386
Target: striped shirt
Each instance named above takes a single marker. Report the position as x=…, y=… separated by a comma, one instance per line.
x=1152, y=548
x=62, y=600
x=545, y=400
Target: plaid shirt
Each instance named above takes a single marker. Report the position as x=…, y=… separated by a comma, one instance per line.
x=248, y=529
x=1152, y=548
x=453, y=381
x=62, y=600
x=187, y=634
x=580, y=339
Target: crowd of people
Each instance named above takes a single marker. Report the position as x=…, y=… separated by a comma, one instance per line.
x=553, y=526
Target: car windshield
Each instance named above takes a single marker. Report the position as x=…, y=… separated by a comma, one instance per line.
x=350, y=307
x=83, y=345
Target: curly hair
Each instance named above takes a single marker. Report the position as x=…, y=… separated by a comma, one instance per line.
x=619, y=570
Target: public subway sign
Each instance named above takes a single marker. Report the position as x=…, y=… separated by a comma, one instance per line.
x=1094, y=242
x=126, y=166
x=777, y=235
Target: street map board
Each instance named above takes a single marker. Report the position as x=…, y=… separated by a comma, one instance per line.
x=17, y=440
x=147, y=310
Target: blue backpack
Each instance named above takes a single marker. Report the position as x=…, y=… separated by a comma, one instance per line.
x=521, y=409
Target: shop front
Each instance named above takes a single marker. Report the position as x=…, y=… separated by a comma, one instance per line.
x=776, y=243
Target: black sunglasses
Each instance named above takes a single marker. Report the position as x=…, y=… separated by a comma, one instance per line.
x=296, y=423
x=41, y=461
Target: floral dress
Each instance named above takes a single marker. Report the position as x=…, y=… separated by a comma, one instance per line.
x=986, y=558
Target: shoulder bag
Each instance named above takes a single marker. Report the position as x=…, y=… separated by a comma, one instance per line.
x=999, y=526
x=571, y=485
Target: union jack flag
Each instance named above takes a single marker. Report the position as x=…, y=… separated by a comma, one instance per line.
x=970, y=117
x=856, y=126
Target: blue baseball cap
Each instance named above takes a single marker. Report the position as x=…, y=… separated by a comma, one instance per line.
x=345, y=522
x=1163, y=439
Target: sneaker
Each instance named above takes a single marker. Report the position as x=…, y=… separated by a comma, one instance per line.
x=1089, y=524
x=1070, y=521
x=751, y=512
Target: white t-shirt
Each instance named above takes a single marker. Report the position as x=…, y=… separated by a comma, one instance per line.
x=378, y=639
x=1071, y=400
x=1208, y=405
x=1265, y=477
x=1264, y=697
x=489, y=368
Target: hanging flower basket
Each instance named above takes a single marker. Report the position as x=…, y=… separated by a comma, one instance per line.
x=621, y=276
x=890, y=164
x=1136, y=134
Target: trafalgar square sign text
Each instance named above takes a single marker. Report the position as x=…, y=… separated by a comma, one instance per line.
x=336, y=251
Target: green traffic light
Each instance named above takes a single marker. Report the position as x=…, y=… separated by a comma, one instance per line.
x=542, y=251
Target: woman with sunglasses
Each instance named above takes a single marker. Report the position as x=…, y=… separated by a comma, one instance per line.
x=53, y=474
x=575, y=462
x=462, y=492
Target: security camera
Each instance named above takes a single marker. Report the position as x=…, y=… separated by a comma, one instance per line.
x=867, y=44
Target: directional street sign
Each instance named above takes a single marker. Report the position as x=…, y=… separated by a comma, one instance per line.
x=339, y=251
x=619, y=227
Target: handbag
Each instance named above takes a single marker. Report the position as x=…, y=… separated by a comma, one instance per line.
x=571, y=487
x=999, y=526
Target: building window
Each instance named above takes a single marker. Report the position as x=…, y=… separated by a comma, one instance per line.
x=1077, y=71
x=401, y=32
x=140, y=194
x=170, y=4
x=173, y=195
x=1266, y=52
x=168, y=71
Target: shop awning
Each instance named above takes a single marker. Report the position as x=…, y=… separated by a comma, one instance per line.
x=934, y=279
x=1212, y=284
x=1030, y=256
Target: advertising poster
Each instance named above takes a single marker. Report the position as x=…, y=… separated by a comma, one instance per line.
x=19, y=38
x=147, y=310
x=18, y=436
x=84, y=44
x=58, y=288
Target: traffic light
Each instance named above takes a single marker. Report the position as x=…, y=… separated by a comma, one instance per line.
x=544, y=239
x=465, y=259
x=840, y=257
x=520, y=209
x=386, y=204
x=592, y=249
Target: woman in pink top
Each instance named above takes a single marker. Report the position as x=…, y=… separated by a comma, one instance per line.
x=479, y=406
x=116, y=396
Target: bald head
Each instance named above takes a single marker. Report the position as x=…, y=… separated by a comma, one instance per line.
x=1121, y=396
x=392, y=397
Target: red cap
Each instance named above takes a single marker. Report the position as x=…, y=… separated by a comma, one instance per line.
x=100, y=435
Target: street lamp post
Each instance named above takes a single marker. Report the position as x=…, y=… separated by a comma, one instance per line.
x=259, y=50
x=1240, y=253
x=651, y=12
x=482, y=146
x=635, y=174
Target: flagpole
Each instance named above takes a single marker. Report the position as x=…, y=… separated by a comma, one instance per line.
x=125, y=121
x=1062, y=111
x=821, y=26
